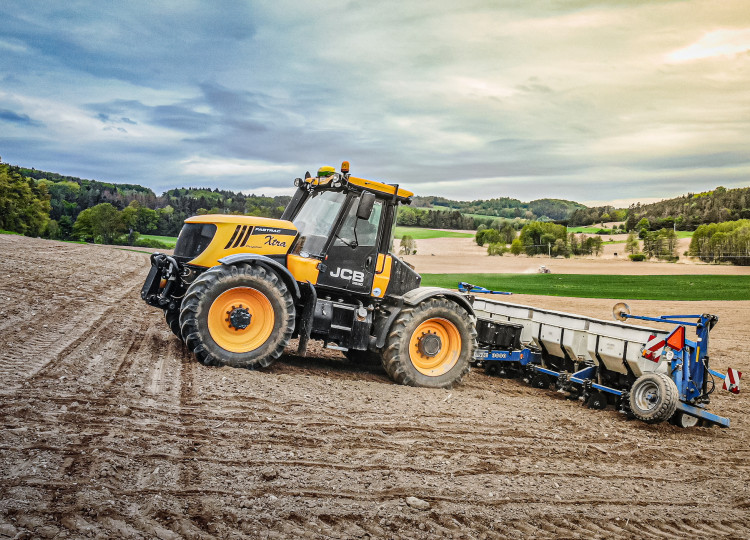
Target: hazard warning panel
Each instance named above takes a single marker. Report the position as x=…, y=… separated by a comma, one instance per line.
x=732, y=381
x=653, y=348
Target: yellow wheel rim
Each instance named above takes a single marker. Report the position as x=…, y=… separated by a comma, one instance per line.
x=239, y=303
x=434, y=347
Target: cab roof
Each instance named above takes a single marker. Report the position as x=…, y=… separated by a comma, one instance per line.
x=369, y=185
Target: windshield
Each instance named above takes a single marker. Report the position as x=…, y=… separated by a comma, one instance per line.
x=315, y=221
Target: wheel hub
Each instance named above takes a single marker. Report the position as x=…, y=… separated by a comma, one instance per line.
x=429, y=344
x=238, y=318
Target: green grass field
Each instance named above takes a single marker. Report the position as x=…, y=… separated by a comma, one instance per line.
x=418, y=233
x=584, y=230
x=593, y=229
x=171, y=240
x=691, y=287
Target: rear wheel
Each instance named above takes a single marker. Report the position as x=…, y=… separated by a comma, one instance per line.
x=241, y=316
x=430, y=345
x=653, y=398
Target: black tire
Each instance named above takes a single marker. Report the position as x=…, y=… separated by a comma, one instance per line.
x=598, y=400
x=684, y=420
x=653, y=398
x=540, y=381
x=397, y=359
x=204, y=291
x=173, y=321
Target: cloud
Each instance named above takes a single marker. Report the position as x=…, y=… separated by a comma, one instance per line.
x=13, y=117
x=197, y=166
x=725, y=43
x=580, y=99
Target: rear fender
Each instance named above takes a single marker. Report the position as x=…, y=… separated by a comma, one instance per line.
x=420, y=294
x=412, y=298
x=267, y=263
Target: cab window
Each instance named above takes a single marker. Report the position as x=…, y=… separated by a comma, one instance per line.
x=366, y=232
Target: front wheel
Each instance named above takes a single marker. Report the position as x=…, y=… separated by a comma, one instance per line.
x=430, y=345
x=653, y=398
x=173, y=321
x=240, y=316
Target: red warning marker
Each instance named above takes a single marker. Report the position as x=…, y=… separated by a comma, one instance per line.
x=732, y=381
x=653, y=348
x=676, y=339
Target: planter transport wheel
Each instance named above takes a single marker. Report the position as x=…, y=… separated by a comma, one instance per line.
x=653, y=398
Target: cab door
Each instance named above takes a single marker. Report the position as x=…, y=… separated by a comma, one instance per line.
x=351, y=257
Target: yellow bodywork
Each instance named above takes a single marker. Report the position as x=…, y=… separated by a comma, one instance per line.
x=244, y=234
x=382, y=275
x=303, y=269
x=371, y=185
x=379, y=186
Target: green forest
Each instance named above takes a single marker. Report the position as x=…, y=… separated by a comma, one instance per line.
x=684, y=213
x=504, y=207
x=38, y=203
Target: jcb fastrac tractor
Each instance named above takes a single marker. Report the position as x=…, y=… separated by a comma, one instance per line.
x=238, y=288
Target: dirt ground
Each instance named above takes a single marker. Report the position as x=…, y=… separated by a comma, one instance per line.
x=111, y=430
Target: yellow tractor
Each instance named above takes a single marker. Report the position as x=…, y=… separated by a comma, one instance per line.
x=239, y=288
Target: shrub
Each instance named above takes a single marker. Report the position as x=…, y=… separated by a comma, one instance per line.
x=637, y=257
x=408, y=245
x=151, y=243
x=497, y=248
x=487, y=236
x=516, y=248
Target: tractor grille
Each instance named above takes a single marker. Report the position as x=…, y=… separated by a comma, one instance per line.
x=194, y=239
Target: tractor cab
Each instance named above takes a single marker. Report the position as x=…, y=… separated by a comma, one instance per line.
x=345, y=229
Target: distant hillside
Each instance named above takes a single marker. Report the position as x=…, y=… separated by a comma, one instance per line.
x=504, y=207
x=68, y=196
x=685, y=212
x=694, y=209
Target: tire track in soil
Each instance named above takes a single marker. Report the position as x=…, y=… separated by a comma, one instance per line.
x=154, y=444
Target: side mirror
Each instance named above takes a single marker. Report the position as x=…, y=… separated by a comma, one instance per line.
x=366, y=202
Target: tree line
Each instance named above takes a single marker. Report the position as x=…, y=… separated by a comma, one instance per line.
x=683, y=213
x=722, y=242
x=39, y=203
x=503, y=207
x=537, y=238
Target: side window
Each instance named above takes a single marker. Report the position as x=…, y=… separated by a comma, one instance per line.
x=366, y=233
x=369, y=228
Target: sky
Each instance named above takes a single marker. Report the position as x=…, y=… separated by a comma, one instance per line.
x=601, y=102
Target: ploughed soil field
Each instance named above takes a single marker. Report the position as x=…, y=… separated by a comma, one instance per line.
x=111, y=429
x=463, y=255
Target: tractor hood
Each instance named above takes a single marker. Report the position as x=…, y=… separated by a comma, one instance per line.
x=227, y=234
